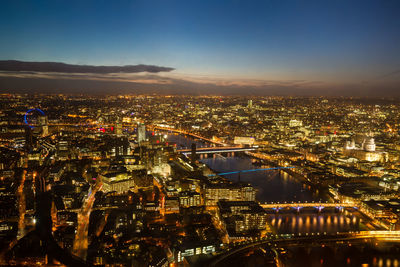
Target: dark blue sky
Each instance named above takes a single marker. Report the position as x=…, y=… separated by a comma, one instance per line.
x=341, y=41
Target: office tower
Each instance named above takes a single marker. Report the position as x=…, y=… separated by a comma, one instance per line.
x=118, y=128
x=42, y=120
x=28, y=138
x=250, y=104
x=141, y=133
x=43, y=125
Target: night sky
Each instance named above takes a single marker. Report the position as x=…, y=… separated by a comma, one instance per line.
x=301, y=46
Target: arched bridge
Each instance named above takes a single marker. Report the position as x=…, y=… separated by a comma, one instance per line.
x=278, y=205
x=392, y=236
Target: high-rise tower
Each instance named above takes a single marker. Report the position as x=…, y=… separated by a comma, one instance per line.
x=43, y=125
x=141, y=133
x=250, y=104
x=28, y=138
x=118, y=128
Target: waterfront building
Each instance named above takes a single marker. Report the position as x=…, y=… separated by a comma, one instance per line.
x=242, y=217
x=239, y=140
x=229, y=192
x=193, y=248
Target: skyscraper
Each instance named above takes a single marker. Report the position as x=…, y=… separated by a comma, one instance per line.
x=118, y=128
x=250, y=104
x=141, y=133
x=43, y=125
x=28, y=138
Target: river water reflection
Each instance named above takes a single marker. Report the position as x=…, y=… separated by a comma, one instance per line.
x=272, y=186
x=277, y=186
x=314, y=223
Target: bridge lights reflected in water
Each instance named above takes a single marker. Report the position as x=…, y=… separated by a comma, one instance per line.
x=309, y=223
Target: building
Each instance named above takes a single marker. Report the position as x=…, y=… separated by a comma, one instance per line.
x=141, y=133
x=171, y=204
x=28, y=138
x=193, y=248
x=369, y=144
x=367, y=151
x=295, y=123
x=193, y=155
x=119, y=182
x=242, y=217
x=118, y=128
x=62, y=150
x=250, y=104
x=239, y=140
x=119, y=146
x=229, y=192
x=43, y=125
x=189, y=199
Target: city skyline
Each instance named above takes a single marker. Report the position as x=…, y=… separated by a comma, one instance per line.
x=172, y=133
x=147, y=180
x=261, y=47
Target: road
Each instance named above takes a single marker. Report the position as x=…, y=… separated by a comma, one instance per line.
x=22, y=202
x=81, y=237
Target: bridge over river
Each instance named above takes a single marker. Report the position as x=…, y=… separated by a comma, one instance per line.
x=299, y=205
x=287, y=239
x=212, y=150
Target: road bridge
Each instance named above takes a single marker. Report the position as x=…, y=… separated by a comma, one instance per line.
x=250, y=170
x=212, y=150
x=299, y=205
x=285, y=239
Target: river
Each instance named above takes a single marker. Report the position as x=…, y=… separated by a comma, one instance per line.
x=272, y=186
x=278, y=186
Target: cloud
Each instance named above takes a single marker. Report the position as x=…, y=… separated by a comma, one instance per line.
x=393, y=73
x=14, y=65
x=160, y=80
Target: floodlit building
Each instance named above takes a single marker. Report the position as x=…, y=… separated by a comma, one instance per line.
x=242, y=216
x=141, y=133
x=229, y=192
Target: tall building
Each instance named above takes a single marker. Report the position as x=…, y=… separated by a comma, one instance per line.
x=42, y=120
x=118, y=128
x=119, y=147
x=141, y=133
x=193, y=155
x=250, y=104
x=28, y=138
x=43, y=125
